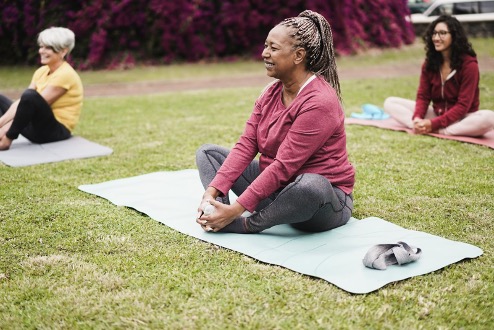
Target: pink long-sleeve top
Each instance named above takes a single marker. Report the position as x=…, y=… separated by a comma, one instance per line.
x=306, y=137
x=452, y=98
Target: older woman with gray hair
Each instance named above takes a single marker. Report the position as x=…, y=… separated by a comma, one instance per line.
x=50, y=107
x=303, y=176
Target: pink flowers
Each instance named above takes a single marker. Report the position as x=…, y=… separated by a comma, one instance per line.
x=119, y=33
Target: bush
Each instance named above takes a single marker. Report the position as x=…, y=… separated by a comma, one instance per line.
x=120, y=32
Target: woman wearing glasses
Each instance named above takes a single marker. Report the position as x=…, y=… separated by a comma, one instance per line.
x=450, y=81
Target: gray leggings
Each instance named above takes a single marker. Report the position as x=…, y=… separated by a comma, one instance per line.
x=310, y=203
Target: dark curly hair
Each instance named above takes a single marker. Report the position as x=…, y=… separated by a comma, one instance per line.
x=460, y=45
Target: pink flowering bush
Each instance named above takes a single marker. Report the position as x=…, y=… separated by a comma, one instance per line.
x=119, y=33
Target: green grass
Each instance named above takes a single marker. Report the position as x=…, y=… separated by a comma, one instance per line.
x=19, y=77
x=70, y=260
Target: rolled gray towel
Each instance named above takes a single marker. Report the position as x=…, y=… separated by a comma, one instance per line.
x=382, y=255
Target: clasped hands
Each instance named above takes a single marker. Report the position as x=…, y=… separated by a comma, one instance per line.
x=422, y=126
x=222, y=216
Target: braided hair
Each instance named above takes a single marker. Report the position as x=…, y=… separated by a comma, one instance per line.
x=459, y=45
x=312, y=32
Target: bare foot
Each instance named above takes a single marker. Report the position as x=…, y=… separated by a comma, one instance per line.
x=5, y=143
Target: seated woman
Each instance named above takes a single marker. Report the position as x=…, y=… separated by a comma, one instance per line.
x=303, y=176
x=450, y=80
x=50, y=108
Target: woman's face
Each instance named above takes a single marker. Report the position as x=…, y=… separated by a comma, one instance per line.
x=441, y=37
x=278, y=53
x=48, y=56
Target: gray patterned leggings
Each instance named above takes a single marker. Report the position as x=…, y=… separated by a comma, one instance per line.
x=310, y=203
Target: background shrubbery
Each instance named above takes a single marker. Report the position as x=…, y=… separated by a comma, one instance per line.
x=111, y=33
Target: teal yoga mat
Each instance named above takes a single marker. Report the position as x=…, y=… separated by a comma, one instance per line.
x=335, y=256
x=24, y=153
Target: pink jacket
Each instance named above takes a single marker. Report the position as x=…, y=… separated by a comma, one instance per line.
x=307, y=137
x=451, y=100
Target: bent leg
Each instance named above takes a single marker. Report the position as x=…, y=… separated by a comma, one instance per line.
x=34, y=118
x=474, y=124
x=210, y=157
x=400, y=109
x=310, y=203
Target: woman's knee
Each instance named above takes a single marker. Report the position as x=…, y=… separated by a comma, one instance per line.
x=208, y=152
x=392, y=102
x=312, y=185
x=474, y=124
x=32, y=98
x=29, y=94
x=389, y=101
x=203, y=150
x=487, y=116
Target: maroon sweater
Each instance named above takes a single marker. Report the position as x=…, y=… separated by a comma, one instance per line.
x=452, y=100
x=306, y=137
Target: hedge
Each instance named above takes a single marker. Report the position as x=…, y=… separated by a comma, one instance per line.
x=120, y=32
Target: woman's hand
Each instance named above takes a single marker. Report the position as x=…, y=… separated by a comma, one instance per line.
x=422, y=126
x=221, y=217
x=209, y=195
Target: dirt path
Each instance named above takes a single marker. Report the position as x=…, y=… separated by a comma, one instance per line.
x=252, y=80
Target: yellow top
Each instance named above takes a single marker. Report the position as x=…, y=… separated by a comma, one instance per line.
x=67, y=108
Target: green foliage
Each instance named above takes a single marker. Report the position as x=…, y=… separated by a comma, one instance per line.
x=72, y=260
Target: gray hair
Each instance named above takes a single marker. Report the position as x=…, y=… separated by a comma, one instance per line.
x=312, y=32
x=58, y=38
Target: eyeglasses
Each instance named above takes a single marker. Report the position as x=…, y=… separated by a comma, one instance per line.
x=441, y=34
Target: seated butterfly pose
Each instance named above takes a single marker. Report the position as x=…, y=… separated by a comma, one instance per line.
x=450, y=80
x=49, y=109
x=303, y=176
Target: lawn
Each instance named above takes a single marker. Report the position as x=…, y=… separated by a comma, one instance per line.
x=70, y=260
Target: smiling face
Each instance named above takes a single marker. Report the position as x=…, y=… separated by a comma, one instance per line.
x=442, y=38
x=278, y=53
x=49, y=57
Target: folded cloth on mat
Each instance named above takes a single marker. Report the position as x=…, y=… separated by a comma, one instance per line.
x=390, y=123
x=22, y=152
x=335, y=255
x=380, y=256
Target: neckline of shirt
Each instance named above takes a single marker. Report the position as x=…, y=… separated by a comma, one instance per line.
x=306, y=83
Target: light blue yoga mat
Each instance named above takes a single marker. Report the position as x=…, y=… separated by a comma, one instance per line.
x=335, y=256
x=22, y=152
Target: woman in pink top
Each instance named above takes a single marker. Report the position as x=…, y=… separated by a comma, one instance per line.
x=303, y=176
x=447, y=99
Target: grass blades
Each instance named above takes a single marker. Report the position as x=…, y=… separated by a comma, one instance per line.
x=70, y=260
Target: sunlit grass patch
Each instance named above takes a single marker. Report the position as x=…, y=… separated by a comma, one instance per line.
x=72, y=260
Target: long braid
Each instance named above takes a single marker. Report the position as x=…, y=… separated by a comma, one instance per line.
x=313, y=33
